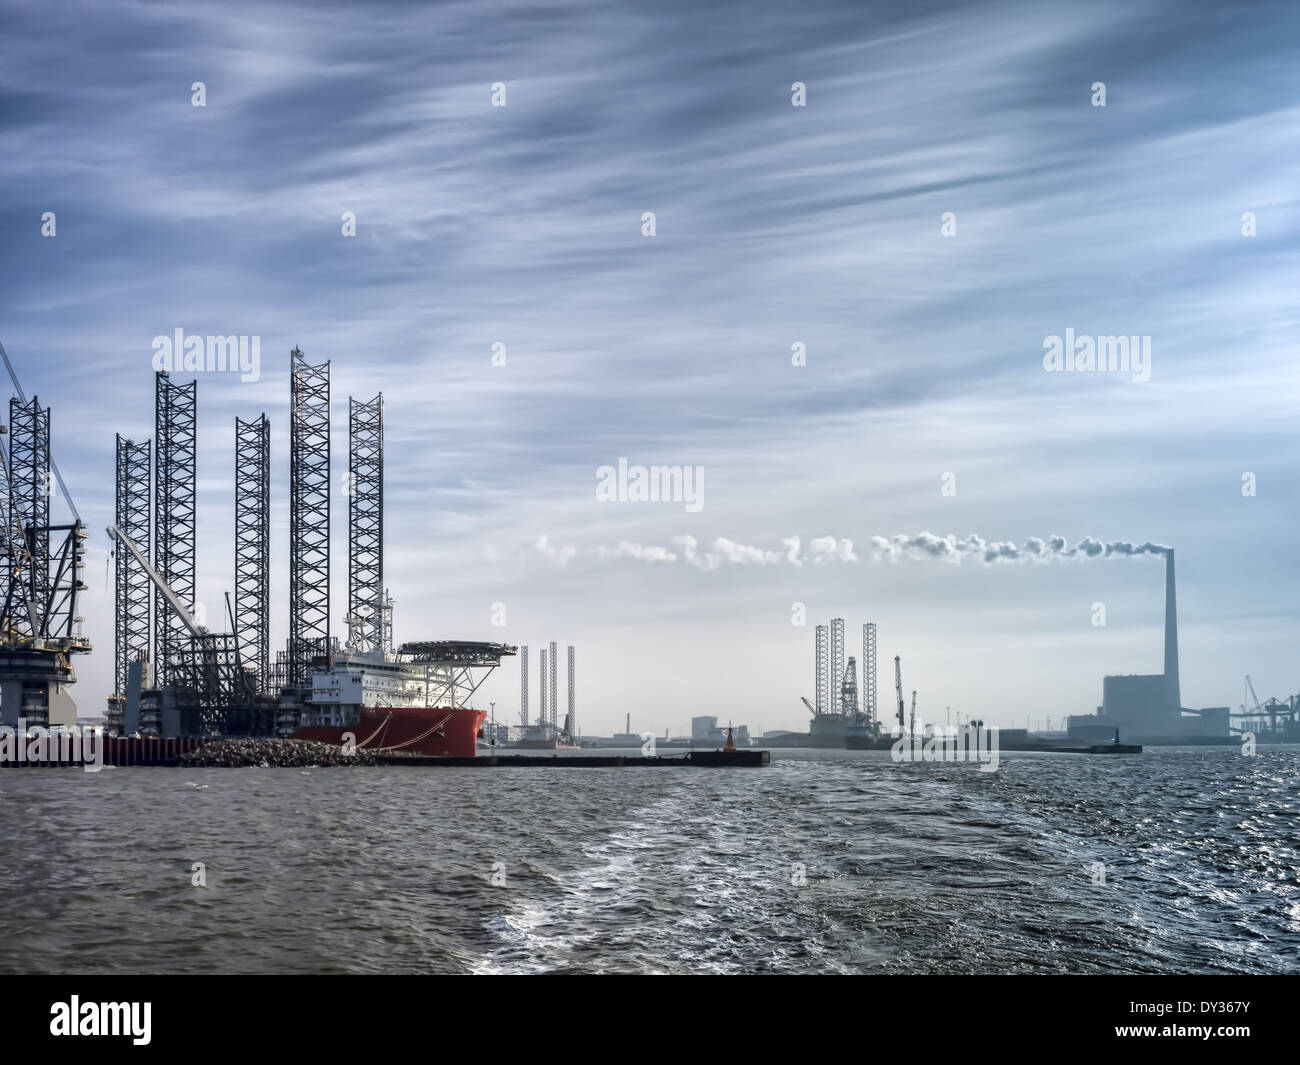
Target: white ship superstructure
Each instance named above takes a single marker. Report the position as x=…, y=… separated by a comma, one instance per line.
x=435, y=674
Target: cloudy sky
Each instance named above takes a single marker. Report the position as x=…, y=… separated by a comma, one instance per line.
x=774, y=226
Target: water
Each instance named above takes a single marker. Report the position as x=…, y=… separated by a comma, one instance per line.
x=906, y=868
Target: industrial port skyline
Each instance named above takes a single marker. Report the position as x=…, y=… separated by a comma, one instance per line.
x=839, y=368
x=510, y=488
x=952, y=550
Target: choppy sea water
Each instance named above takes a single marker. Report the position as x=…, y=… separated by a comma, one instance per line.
x=827, y=862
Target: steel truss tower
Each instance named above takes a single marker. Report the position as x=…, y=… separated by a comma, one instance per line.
x=545, y=718
x=869, y=671
x=175, y=476
x=366, y=523
x=253, y=548
x=523, y=685
x=134, y=600
x=837, y=665
x=552, y=661
x=42, y=568
x=40, y=585
x=822, y=680
x=29, y=502
x=309, y=515
x=573, y=714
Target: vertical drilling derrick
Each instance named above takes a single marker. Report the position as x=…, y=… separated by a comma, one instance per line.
x=175, y=476
x=134, y=606
x=523, y=685
x=849, y=689
x=837, y=665
x=253, y=549
x=822, y=680
x=309, y=515
x=869, y=672
x=365, y=523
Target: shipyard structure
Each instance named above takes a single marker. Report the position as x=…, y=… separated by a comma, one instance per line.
x=1135, y=709
x=845, y=712
x=547, y=733
x=41, y=629
x=185, y=668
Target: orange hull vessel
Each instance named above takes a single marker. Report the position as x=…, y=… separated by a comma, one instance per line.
x=407, y=730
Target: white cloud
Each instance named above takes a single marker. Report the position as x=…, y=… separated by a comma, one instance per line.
x=561, y=556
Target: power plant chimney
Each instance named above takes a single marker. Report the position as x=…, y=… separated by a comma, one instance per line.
x=1173, y=697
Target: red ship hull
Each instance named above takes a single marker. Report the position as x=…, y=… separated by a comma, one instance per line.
x=407, y=730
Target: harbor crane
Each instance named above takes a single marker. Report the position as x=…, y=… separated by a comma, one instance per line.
x=1278, y=717
x=1251, y=685
x=898, y=686
x=196, y=630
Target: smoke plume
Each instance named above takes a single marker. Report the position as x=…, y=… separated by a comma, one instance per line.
x=960, y=548
x=822, y=550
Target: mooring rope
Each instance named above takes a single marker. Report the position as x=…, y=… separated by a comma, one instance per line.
x=382, y=725
x=428, y=732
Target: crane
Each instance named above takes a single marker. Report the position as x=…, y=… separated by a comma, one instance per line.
x=196, y=630
x=811, y=709
x=1250, y=684
x=219, y=676
x=1271, y=709
x=898, y=686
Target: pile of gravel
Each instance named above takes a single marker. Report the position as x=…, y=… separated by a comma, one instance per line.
x=278, y=754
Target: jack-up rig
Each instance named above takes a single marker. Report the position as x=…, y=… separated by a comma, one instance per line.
x=40, y=629
x=547, y=732
x=175, y=676
x=845, y=713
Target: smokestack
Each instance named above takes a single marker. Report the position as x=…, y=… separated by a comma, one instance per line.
x=1172, y=695
x=629, y=725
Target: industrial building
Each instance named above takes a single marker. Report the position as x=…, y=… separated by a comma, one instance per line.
x=703, y=727
x=717, y=736
x=1147, y=708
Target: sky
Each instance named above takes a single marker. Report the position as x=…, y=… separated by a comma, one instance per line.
x=840, y=317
